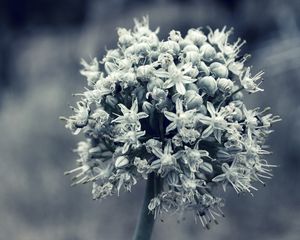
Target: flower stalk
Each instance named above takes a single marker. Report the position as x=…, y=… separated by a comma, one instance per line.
x=146, y=220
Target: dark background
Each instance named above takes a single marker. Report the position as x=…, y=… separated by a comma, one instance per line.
x=41, y=43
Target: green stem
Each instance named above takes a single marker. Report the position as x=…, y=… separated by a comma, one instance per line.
x=145, y=224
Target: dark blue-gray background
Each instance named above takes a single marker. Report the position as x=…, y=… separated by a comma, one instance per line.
x=41, y=43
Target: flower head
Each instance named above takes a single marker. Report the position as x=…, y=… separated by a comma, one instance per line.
x=173, y=109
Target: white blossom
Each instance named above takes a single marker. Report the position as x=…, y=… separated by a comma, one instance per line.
x=173, y=109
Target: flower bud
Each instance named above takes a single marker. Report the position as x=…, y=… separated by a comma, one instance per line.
x=172, y=178
x=192, y=86
x=238, y=115
x=170, y=46
x=224, y=85
x=165, y=60
x=192, y=72
x=192, y=56
x=159, y=94
x=154, y=203
x=203, y=68
x=110, y=67
x=154, y=82
x=192, y=99
x=185, y=42
x=125, y=37
x=175, y=36
x=139, y=93
x=121, y=161
x=190, y=48
x=111, y=55
x=208, y=52
x=218, y=70
x=202, y=109
x=208, y=84
x=141, y=48
x=147, y=107
x=196, y=36
x=111, y=101
x=237, y=96
x=129, y=78
x=125, y=64
x=144, y=71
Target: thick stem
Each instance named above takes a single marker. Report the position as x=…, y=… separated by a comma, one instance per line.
x=145, y=224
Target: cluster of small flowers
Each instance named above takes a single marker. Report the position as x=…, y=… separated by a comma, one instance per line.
x=175, y=109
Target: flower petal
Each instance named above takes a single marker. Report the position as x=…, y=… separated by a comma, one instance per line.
x=161, y=73
x=168, y=148
x=123, y=108
x=180, y=88
x=168, y=84
x=170, y=116
x=171, y=127
x=204, y=119
x=187, y=79
x=206, y=167
x=207, y=132
x=218, y=134
x=156, y=164
x=157, y=152
x=118, y=119
x=142, y=115
x=179, y=106
x=219, y=178
x=125, y=147
x=211, y=108
x=135, y=106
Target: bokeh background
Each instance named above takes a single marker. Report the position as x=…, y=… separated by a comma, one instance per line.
x=41, y=43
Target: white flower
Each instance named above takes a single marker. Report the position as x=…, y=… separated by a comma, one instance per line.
x=191, y=110
x=218, y=37
x=76, y=122
x=131, y=117
x=249, y=83
x=193, y=157
x=176, y=76
x=234, y=175
x=90, y=71
x=196, y=36
x=166, y=160
x=142, y=166
x=180, y=118
x=130, y=139
x=216, y=122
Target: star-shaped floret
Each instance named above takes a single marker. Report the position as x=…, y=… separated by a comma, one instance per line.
x=249, y=83
x=130, y=139
x=216, y=122
x=131, y=117
x=166, y=159
x=233, y=175
x=179, y=119
x=176, y=76
x=193, y=157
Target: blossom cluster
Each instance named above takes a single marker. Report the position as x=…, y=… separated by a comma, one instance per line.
x=172, y=108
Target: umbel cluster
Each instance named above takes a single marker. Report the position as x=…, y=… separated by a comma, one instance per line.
x=173, y=108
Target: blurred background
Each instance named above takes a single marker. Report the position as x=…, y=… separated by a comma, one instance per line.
x=41, y=43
